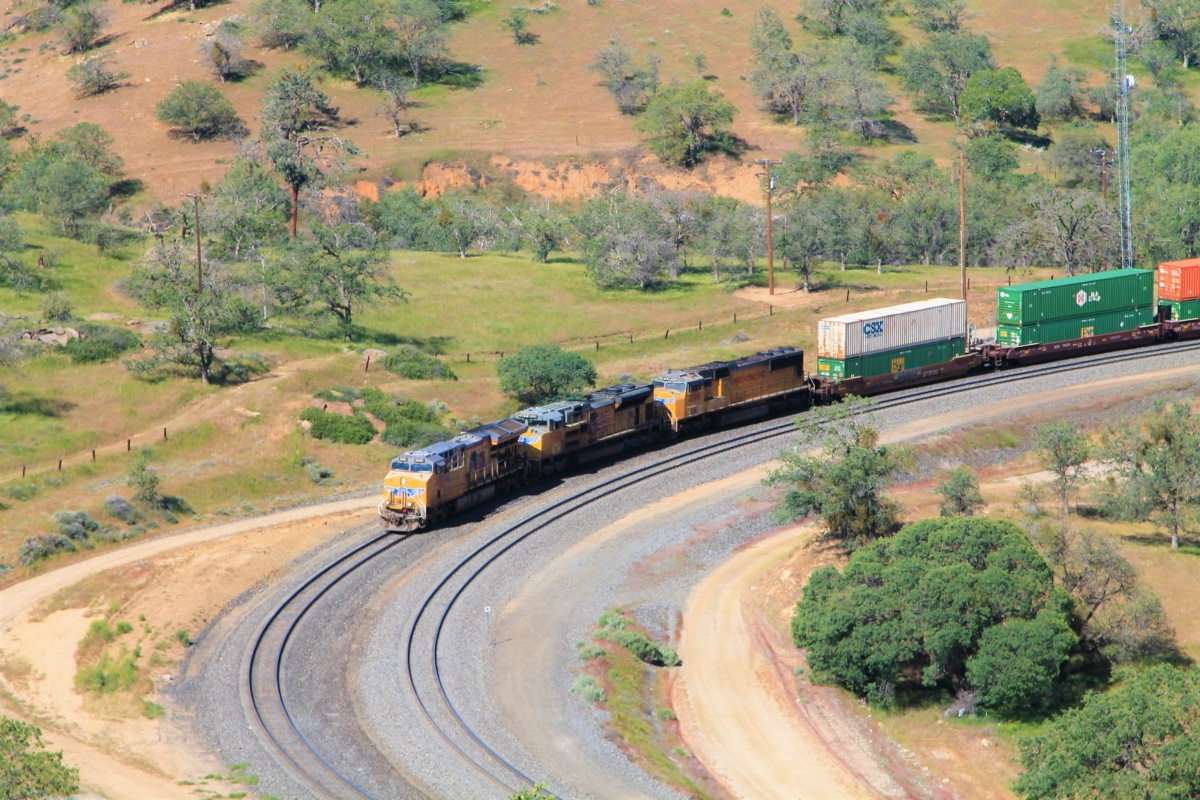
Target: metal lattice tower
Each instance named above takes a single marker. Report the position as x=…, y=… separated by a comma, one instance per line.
x=1123, y=83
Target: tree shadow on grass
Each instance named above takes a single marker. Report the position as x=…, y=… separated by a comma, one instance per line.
x=462, y=75
x=433, y=345
x=26, y=404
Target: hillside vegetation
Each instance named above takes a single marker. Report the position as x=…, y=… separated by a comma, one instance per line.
x=538, y=101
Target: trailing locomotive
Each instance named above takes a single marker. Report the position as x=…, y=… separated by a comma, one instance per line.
x=917, y=343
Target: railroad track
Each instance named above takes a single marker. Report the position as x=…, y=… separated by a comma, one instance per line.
x=262, y=680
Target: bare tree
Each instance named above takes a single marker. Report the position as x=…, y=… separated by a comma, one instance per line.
x=1072, y=228
x=396, y=103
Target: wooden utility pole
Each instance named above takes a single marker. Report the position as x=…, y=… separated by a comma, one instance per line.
x=767, y=164
x=1104, y=174
x=199, y=269
x=962, y=227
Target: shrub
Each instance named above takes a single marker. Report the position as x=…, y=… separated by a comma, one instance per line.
x=182, y=637
x=544, y=372
x=410, y=423
x=588, y=652
x=99, y=343
x=23, y=491
x=585, y=686
x=56, y=307
x=108, y=675
x=644, y=649
x=316, y=473
x=342, y=394
x=121, y=509
x=143, y=480
x=415, y=435
x=151, y=710
x=77, y=525
x=92, y=76
x=123, y=628
x=36, y=548
x=409, y=362
x=336, y=428
x=200, y=110
x=665, y=714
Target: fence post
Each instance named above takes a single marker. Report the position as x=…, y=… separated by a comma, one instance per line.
x=770, y=311
x=735, y=318
x=22, y=470
x=700, y=325
x=367, y=368
x=164, y=434
x=128, y=445
x=597, y=345
x=667, y=335
x=93, y=454
x=926, y=287
x=468, y=358
x=847, y=295
x=60, y=465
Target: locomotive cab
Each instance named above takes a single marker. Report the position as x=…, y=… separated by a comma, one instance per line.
x=554, y=430
x=406, y=490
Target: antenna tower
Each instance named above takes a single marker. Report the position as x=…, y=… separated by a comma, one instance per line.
x=1124, y=81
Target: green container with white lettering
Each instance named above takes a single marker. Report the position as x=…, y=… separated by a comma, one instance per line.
x=1182, y=309
x=1064, y=330
x=1079, y=296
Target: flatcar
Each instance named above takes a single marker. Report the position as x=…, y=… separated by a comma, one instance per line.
x=1043, y=321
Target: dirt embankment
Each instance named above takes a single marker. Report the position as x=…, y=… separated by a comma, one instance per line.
x=159, y=587
x=581, y=178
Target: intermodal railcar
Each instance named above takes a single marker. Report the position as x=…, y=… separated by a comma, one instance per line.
x=425, y=486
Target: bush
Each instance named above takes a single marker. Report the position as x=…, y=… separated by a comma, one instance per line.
x=108, y=675
x=341, y=394
x=316, y=473
x=409, y=362
x=410, y=423
x=56, y=307
x=120, y=508
x=544, y=372
x=665, y=714
x=143, y=480
x=77, y=525
x=200, y=110
x=99, y=343
x=646, y=650
x=588, y=652
x=37, y=548
x=336, y=428
x=92, y=75
x=151, y=710
x=585, y=686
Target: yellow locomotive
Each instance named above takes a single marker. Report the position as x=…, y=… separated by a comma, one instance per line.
x=726, y=392
x=426, y=485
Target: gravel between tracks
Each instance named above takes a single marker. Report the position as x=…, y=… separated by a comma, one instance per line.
x=346, y=676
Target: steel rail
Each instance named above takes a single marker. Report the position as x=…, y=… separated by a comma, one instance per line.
x=619, y=483
x=266, y=711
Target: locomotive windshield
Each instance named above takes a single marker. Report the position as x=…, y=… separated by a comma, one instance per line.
x=410, y=466
x=678, y=386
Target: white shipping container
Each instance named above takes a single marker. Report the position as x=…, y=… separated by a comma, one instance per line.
x=853, y=335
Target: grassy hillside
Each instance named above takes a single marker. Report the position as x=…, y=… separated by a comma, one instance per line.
x=537, y=101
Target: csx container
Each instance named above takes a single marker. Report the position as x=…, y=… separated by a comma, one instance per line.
x=1179, y=280
x=891, y=361
x=1078, y=296
x=1181, y=309
x=852, y=335
x=1063, y=330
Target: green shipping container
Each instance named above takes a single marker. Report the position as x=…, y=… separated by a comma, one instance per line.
x=1182, y=309
x=1063, y=330
x=1080, y=296
x=889, y=361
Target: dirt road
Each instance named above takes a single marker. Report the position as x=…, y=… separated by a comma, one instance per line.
x=738, y=715
x=126, y=758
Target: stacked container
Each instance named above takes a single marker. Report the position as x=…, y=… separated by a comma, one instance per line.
x=1074, y=308
x=889, y=340
x=1179, y=288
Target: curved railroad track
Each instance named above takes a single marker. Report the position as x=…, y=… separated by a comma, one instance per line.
x=262, y=685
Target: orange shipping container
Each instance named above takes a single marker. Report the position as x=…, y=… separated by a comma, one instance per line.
x=1179, y=280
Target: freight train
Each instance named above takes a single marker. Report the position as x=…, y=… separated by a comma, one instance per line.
x=859, y=354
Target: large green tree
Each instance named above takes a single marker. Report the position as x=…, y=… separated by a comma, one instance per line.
x=334, y=272
x=937, y=72
x=1140, y=739
x=843, y=483
x=930, y=605
x=683, y=122
x=625, y=242
x=1000, y=96
x=298, y=134
x=544, y=372
x=1158, y=464
x=27, y=770
x=203, y=308
x=352, y=37
x=1064, y=450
